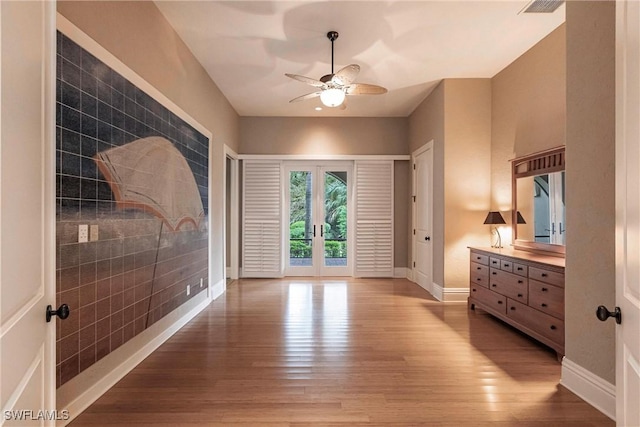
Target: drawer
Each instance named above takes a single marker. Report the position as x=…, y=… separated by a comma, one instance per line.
x=547, y=298
x=520, y=269
x=491, y=300
x=509, y=284
x=479, y=274
x=495, y=262
x=539, y=322
x=546, y=276
x=506, y=265
x=479, y=258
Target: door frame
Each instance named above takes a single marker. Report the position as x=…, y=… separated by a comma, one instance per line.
x=318, y=168
x=234, y=214
x=414, y=192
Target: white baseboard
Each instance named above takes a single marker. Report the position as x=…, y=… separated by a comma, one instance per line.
x=410, y=274
x=400, y=272
x=218, y=289
x=449, y=294
x=591, y=388
x=84, y=389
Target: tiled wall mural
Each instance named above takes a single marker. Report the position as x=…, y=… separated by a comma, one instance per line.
x=136, y=175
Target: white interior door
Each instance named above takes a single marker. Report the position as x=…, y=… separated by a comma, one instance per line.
x=318, y=212
x=422, y=220
x=27, y=218
x=628, y=212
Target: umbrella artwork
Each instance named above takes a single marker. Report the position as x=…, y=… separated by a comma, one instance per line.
x=152, y=175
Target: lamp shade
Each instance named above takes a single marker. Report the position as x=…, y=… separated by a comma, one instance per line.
x=332, y=97
x=494, y=217
x=520, y=218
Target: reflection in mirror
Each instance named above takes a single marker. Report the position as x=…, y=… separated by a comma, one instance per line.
x=541, y=204
x=538, y=215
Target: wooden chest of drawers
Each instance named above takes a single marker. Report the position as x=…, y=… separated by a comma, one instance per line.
x=523, y=289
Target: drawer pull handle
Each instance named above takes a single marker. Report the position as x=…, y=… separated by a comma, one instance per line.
x=478, y=268
x=494, y=273
x=545, y=290
x=478, y=257
x=519, y=268
x=506, y=265
x=544, y=274
x=478, y=278
x=499, y=302
x=493, y=285
x=520, y=281
x=494, y=262
x=519, y=295
x=543, y=305
x=553, y=327
x=473, y=290
x=513, y=308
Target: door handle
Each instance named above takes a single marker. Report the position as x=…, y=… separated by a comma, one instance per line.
x=62, y=312
x=603, y=314
x=427, y=238
x=314, y=230
x=321, y=230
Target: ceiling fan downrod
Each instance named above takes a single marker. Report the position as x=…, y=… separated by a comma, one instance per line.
x=332, y=35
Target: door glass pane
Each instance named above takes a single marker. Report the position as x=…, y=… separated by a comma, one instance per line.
x=335, y=219
x=300, y=219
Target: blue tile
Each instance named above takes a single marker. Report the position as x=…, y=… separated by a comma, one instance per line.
x=70, y=118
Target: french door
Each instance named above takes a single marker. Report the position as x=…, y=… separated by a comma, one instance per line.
x=318, y=218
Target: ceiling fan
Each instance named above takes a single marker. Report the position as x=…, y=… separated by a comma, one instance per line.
x=334, y=87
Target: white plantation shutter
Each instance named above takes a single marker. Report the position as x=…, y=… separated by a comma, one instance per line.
x=261, y=232
x=374, y=218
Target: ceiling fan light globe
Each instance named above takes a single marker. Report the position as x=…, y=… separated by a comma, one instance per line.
x=332, y=97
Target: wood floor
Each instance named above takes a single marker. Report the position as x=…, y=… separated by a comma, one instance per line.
x=356, y=352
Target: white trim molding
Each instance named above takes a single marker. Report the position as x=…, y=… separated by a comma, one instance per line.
x=449, y=294
x=400, y=273
x=591, y=388
x=410, y=274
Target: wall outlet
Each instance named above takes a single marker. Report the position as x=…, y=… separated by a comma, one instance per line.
x=93, y=233
x=201, y=282
x=188, y=290
x=83, y=233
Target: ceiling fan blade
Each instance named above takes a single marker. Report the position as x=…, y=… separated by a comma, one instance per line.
x=307, y=80
x=307, y=96
x=346, y=75
x=365, y=89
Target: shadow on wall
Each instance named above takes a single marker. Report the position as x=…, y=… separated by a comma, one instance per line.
x=137, y=175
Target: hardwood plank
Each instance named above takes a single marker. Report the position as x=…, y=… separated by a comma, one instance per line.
x=357, y=352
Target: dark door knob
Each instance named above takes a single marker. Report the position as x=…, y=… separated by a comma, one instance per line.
x=62, y=312
x=603, y=314
x=427, y=238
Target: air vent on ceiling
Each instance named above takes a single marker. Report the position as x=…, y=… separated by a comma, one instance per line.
x=542, y=6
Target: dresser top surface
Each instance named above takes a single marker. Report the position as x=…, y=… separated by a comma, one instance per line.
x=524, y=255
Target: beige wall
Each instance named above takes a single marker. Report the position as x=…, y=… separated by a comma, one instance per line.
x=334, y=135
x=320, y=135
x=467, y=177
x=528, y=112
x=457, y=117
x=139, y=35
x=590, y=270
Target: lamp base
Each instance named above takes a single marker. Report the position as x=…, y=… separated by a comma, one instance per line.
x=498, y=244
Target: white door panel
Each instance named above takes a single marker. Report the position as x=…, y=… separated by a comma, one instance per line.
x=27, y=215
x=628, y=212
x=422, y=211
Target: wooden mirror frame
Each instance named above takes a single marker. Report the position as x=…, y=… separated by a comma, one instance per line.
x=540, y=163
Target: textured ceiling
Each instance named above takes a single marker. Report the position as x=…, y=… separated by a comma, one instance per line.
x=405, y=46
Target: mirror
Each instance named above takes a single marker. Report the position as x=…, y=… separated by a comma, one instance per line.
x=539, y=218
